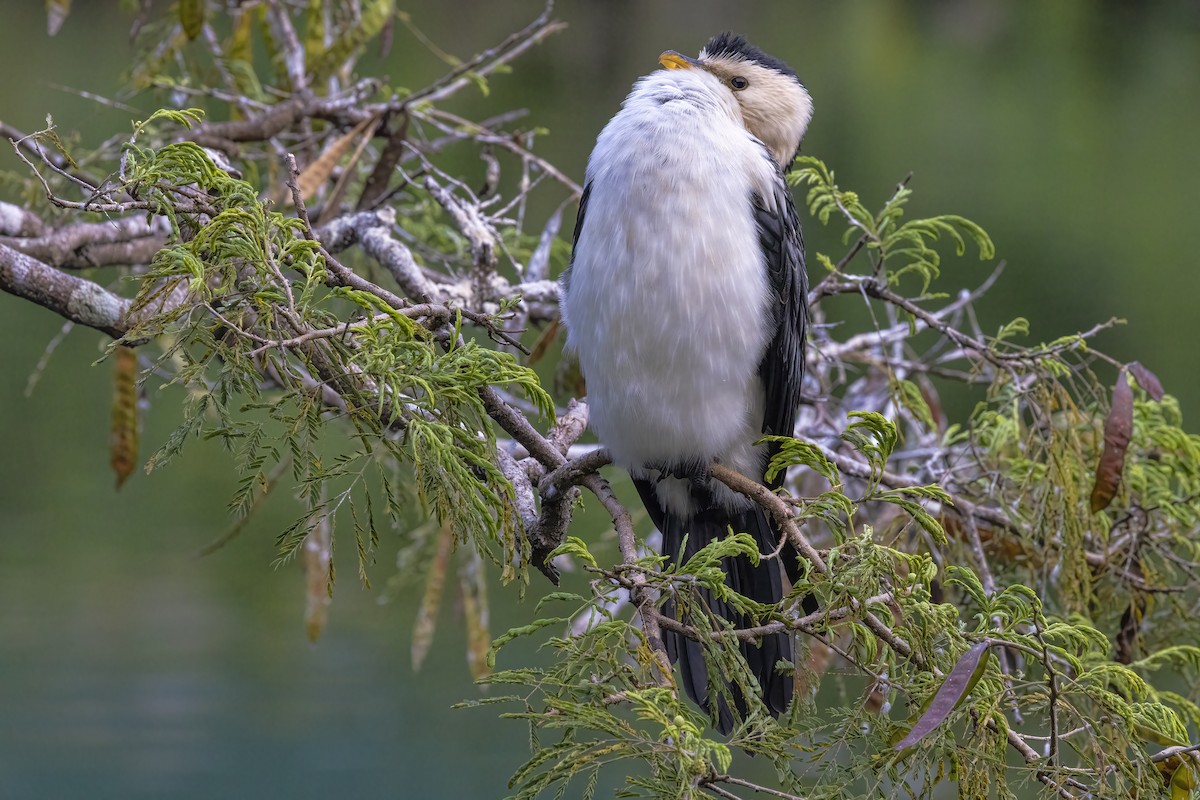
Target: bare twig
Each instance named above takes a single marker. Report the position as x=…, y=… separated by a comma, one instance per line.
x=489, y=60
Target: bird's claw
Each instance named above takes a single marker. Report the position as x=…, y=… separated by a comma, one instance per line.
x=697, y=475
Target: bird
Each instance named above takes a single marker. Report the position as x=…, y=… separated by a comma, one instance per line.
x=685, y=303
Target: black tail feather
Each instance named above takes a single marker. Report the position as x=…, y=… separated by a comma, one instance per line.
x=761, y=583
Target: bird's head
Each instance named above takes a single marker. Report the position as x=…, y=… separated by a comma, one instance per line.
x=775, y=106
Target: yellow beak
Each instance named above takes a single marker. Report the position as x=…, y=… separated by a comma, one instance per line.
x=673, y=60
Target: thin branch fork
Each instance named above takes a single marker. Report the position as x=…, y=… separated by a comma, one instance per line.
x=1031, y=757
x=782, y=514
x=56, y=161
x=442, y=314
x=552, y=458
x=878, y=338
x=489, y=60
x=875, y=288
x=485, y=135
x=960, y=505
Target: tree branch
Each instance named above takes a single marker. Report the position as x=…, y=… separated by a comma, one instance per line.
x=71, y=297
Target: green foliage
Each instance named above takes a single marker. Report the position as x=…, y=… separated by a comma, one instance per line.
x=874, y=437
x=411, y=401
x=623, y=723
x=898, y=248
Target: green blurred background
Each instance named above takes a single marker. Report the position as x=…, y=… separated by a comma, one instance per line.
x=130, y=668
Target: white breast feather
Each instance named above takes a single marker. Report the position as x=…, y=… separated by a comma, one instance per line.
x=669, y=299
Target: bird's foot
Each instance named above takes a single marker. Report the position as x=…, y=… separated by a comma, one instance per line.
x=697, y=475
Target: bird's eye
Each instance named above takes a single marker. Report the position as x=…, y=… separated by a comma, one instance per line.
x=738, y=82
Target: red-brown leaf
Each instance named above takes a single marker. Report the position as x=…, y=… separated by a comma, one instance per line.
x=1147, y=380
x=1118, y=429
x=950, y=694
x=123, y=439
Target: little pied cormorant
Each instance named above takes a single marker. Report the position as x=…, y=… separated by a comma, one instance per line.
x=685, y=301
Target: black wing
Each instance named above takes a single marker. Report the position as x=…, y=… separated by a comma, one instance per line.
x=583, y=201
x=782, y=367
